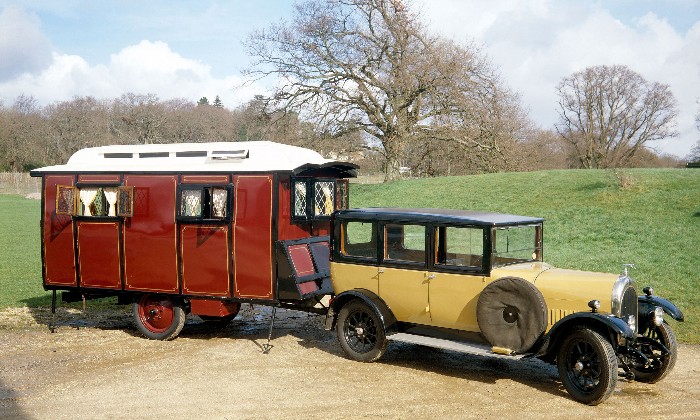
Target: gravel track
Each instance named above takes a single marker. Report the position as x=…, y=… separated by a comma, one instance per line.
x=95, y=365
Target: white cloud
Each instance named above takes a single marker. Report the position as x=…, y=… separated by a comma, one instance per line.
x=538, y=43
x=23, y=48
x=148, y=67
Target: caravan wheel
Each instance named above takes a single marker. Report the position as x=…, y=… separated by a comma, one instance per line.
x=158, y=317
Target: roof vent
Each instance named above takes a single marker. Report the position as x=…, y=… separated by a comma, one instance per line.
x=229, y=154
x=118, y=155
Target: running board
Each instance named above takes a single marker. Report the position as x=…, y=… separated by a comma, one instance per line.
x=458, y=346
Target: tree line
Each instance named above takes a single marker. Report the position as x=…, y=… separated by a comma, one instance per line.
x=363, y=80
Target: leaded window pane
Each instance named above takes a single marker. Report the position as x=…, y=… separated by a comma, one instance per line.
x=323, y=198
x=191, y=203
x=218, y=199
x=300, y=199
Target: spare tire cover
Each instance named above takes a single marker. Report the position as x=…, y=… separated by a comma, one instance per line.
x=511, y=313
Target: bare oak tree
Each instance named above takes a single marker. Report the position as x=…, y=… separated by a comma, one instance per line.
x=369, y=65
x=607, y=113
x=694, y=155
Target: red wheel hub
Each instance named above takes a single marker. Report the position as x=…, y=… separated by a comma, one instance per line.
x=156, y=313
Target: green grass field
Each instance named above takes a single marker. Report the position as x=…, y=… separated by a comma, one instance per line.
x=596, y=220
x=20, y=252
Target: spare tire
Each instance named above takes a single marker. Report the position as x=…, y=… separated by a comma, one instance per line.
x=512, y=314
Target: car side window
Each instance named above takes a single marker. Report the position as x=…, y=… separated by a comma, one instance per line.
x=404, y=243
x=359, y=240
x=459, y=246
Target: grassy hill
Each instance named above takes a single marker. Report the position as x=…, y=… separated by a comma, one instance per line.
x=595, y=220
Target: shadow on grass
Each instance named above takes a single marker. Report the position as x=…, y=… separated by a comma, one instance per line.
x=697, y=214
x=593, y=186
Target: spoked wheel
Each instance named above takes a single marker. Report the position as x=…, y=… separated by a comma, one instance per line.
x=361, y=332
x=587, y=366
x=659, y=345
x=158, y=317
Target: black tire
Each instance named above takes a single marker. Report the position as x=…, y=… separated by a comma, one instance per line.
x=661, y=362
x=587, y=366
x=158, y=317
x=360, y=332
x=512, y=314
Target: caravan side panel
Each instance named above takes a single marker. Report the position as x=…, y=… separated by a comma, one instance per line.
x=252, y=237
x=150, y=244
x=59, y=245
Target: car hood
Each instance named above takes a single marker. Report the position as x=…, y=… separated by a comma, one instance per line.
x=569, y=290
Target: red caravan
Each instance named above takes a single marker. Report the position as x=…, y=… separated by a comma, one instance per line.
x=191, y=228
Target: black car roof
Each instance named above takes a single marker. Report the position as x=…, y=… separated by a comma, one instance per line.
x=467, y=217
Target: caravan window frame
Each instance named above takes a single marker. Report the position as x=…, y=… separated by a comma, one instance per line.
x=307, y=208
x=208, y=203
x=75, y=206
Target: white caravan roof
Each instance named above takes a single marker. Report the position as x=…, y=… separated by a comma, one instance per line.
x=249, y=156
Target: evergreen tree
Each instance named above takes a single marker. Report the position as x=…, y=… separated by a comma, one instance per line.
x=203, y=101
x=217, y=102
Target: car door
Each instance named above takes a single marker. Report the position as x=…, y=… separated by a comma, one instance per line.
x=457, y=277
x=403, y=278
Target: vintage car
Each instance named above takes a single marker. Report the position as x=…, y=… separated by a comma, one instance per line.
x=475, y=282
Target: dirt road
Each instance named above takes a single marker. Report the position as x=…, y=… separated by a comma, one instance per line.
x=96, y=366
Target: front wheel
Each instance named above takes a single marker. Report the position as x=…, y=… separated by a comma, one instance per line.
x=587, y=366
x=158, y=317
x=659, y=345
x=360, y=332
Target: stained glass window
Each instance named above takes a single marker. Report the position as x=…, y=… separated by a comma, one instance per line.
x=125, y=201
x=191, y=203
x=204, y=203
x=65, y=200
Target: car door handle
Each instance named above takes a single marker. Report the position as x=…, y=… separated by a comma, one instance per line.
x=431, y=276
x=380, y=271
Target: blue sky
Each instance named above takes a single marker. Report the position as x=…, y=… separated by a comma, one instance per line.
x=54, y=50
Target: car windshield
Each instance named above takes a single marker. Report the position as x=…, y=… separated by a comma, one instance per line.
x=516, y=244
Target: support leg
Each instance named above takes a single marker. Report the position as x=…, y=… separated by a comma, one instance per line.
x=267, y=347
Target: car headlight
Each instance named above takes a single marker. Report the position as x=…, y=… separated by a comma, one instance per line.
x=632, y=322
x=658, y=316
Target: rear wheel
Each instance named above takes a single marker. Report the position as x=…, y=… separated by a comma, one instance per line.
x=361, y=332
x=587, y=366
x=659, y=345
x=158, y=317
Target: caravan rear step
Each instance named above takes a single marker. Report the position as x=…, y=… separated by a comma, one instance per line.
x=458, y=346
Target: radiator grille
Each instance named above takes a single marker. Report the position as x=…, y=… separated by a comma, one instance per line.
x=557, y=314
x=629, y=303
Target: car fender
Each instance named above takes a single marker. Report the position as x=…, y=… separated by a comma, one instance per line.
x=370, y=298
x=608, y=325
x=647, y=304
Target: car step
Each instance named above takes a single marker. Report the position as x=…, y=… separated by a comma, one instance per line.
x=458, y=346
